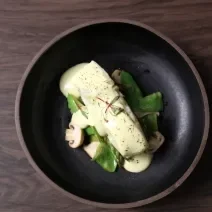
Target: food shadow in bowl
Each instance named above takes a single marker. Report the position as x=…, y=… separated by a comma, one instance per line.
x=156, y=66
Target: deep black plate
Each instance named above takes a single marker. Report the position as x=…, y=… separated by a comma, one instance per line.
x=156, y=64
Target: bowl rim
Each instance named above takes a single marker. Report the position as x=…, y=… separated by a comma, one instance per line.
x=111, y=205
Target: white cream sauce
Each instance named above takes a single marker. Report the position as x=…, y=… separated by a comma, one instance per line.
x=138, y=163
x=90, y=82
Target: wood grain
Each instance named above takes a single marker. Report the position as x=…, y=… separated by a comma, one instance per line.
x=26, y=25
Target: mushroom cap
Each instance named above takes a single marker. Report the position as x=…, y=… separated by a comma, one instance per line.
x=116, y=76
x=75, y=136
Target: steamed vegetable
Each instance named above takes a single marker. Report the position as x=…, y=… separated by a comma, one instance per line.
x=150, y=124
x=102, y=154
x=133, y=95
x=73, y=103
x=93, y=138
x=146, y=108
x=118, y=157
x=105, y=157
x=106, y=151
x=89, y=131
x=151, y=103
x=129, y=87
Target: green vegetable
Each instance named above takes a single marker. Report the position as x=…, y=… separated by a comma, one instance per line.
x=150, y=124
x=134, y=97
x=99, y=138
x=73, y=103
x=118, y=156
x=128, y=82
x=89, y=130
x=105, y=158
x=145, y=108
x=105, y=155
x=93, y=138
x=151, y=103
x=131, y=90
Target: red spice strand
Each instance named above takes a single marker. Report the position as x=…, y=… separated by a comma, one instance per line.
x=102, y=100
x=109, y=105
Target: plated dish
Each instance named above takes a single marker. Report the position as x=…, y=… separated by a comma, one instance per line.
x=121, y=127
x=156, y=64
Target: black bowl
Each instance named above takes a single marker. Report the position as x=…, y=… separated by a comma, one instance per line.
x=157, y=64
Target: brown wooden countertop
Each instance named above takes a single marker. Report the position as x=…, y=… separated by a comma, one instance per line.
x=26, y=25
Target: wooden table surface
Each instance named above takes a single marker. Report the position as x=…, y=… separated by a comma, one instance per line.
x=26, y=25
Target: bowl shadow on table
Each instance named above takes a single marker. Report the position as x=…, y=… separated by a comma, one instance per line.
x=199, y=183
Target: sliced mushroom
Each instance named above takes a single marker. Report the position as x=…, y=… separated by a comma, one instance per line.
x=74, y=135
x=116, y=76
x=155, y=142
x=92, y=148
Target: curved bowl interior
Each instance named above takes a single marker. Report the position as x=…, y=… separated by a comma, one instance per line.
x=156, y=66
